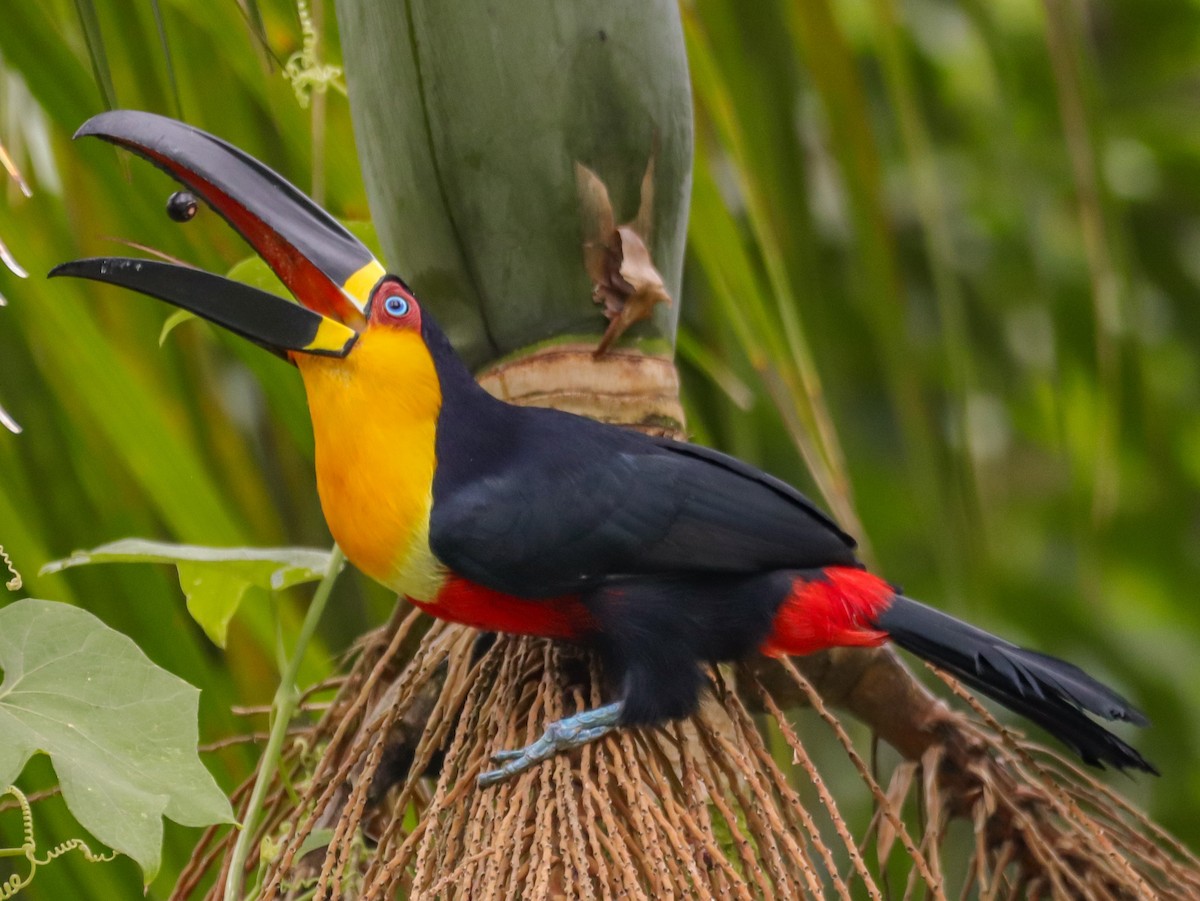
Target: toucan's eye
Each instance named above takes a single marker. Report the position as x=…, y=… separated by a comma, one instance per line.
x=396, y=305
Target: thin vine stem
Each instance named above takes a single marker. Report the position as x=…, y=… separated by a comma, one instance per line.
x=16, y=883
x=287, y=698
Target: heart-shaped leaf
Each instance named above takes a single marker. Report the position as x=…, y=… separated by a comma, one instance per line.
x=120, y=732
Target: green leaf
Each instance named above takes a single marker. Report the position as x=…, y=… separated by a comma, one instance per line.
x=318, y=838
x=254, y=272
x=120, y=732
x=90, y=23
x=161, y=26
x=214, y=580
x=175, y=319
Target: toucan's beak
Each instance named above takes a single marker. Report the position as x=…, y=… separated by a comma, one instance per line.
x=272, y=322
x=324, y=266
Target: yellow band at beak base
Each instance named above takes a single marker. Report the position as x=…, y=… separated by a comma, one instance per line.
x=359, y=285
x=332, y=338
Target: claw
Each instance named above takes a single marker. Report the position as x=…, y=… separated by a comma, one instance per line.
x=572, y=732
x=502, y=756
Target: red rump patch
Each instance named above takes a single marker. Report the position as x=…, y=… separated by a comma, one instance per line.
x=466, y=602
x=833, y=610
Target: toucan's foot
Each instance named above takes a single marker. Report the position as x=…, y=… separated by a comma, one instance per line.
x=572, y=732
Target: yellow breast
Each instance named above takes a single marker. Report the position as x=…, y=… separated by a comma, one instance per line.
x=374, y=416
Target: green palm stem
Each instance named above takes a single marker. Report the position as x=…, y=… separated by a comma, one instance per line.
x=283, y=707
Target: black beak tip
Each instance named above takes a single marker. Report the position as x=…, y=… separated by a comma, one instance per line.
x=69, y=268
x=93, y=126
x=89, y=267
x=117, y=125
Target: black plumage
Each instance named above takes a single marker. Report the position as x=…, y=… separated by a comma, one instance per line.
x=1050, y=692
x=684, y=555
x=537, y=502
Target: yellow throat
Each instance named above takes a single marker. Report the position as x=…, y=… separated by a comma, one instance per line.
x=374, y=415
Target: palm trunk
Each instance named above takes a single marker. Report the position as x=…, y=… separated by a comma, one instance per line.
x=470, y=121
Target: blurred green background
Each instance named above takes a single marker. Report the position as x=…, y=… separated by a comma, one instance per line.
x=943, y=273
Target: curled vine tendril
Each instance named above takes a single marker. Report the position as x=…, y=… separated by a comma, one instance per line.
x=28, y=849
x=15, y=583
x=303, y=69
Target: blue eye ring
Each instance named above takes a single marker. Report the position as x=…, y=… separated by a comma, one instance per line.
x=396, y=305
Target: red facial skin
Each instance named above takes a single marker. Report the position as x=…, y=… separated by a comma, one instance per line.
x=380, y=316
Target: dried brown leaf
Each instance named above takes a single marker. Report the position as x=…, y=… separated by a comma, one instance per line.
x=643, y=222
x=625, y=282
x=595, y=207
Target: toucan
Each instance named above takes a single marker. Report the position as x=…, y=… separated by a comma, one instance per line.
x=664, y=556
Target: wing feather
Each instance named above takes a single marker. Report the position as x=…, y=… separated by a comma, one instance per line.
x=561, y=502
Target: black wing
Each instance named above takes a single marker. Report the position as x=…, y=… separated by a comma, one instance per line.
x=550, y=502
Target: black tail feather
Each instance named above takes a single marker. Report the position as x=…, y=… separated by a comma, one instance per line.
x=1052, y=693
